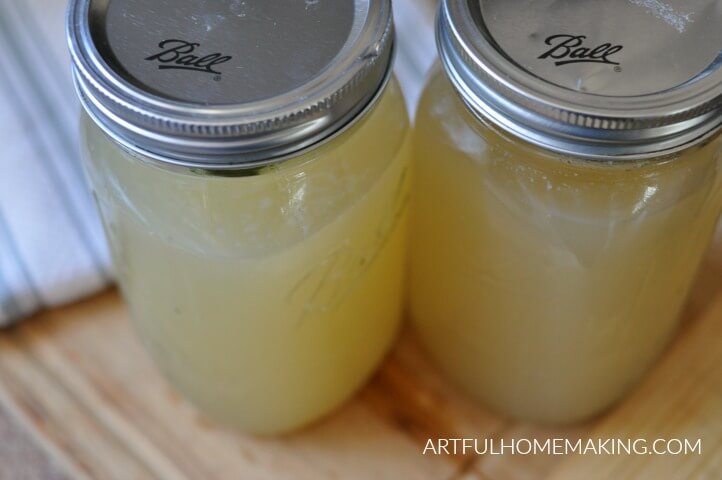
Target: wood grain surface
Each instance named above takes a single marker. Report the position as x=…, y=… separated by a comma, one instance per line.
x=79, y=399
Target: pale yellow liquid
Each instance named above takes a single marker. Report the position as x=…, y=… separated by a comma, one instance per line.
x=545, y=285
x=268, y=299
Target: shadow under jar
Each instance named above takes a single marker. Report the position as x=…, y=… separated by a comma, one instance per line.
x=249, y=161
x=570, y=178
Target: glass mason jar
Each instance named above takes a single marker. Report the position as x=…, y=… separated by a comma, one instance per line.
x=255, y=212
x=562, y=208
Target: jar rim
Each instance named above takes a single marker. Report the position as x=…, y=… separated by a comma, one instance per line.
x=528, y=101
x=227, y=136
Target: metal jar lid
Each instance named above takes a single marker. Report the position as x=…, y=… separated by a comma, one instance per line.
x=613, y=79
x=227, y=84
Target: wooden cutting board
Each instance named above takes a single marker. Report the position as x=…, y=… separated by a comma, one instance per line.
x=79, y=399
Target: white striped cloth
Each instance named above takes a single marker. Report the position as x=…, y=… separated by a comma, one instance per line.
x=52, y=249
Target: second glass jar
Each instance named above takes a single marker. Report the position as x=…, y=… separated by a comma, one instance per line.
x=551, y=254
